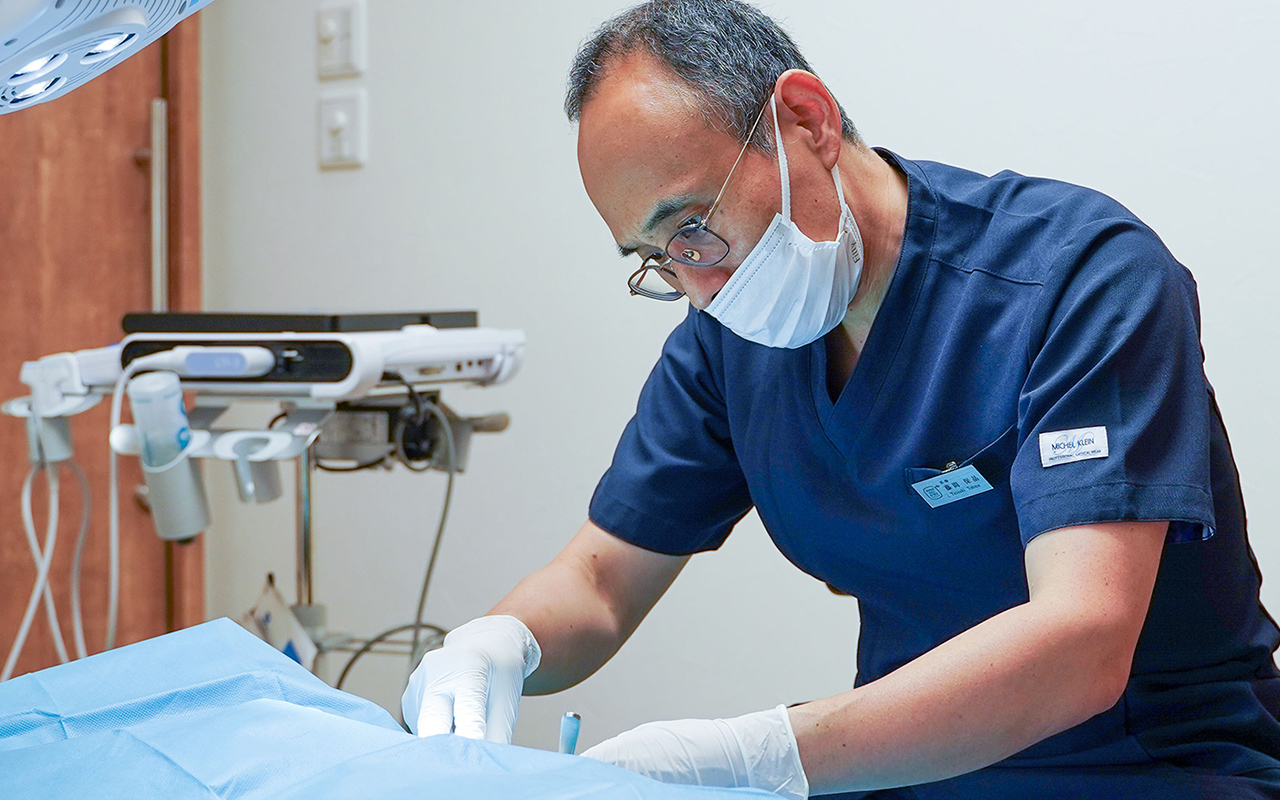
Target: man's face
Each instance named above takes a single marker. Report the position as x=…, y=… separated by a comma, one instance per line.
x=649, y=163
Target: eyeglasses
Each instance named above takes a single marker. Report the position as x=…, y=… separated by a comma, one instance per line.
x=694, y=245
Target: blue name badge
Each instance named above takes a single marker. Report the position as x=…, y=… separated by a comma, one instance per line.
x=951, y=486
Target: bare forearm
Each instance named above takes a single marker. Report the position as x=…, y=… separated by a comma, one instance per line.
x=576, y=631
x=986, y=694
x=585, y=604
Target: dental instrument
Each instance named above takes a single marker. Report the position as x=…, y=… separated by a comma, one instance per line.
x=570, y=724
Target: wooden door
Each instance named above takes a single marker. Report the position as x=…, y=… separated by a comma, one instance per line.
x=75, y=256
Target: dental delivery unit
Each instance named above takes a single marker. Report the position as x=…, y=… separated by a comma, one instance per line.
x=354, y=391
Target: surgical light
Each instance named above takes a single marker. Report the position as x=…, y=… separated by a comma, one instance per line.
x=107, y=45
x=35, y=90
x=45, y=66
x=34, y=66
x=50, y=47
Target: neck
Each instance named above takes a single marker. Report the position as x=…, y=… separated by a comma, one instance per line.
x=877, y=196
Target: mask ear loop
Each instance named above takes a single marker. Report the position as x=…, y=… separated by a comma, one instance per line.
x=782, y=161
x=846, y=214
x=786, y=176
x=835, y=175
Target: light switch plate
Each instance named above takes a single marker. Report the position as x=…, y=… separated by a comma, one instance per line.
x=344, y=128
x=340, y=39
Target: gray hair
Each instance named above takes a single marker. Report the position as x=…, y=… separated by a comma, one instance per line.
x=728, y=53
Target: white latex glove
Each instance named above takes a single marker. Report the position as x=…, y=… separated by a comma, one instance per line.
x=471, y=686
x=755, y=751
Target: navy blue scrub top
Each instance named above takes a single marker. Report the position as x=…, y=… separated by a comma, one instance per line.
x=1020, y=307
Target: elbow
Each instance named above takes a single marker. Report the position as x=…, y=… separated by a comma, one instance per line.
x=1105, y=676
x=1095, y=662
x=1108, y=686
x=1092, y=692
x=1092, y=650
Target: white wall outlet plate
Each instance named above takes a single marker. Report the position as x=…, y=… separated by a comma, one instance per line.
x=340, y=39
x=344, y=128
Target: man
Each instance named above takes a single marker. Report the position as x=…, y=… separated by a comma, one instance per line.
x=976, y=404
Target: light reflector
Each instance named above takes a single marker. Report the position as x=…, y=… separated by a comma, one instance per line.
x=34, y=66
x=108, y=44
x=34, y=90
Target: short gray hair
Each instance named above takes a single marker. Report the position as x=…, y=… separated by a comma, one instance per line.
x=727, y=52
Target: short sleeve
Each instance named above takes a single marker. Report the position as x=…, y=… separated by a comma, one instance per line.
x=675, y=485
x=1114, y=417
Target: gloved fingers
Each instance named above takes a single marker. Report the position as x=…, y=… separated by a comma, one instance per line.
x=469, y=707
x=625, y=752
x=596, y=753
x=411, y=705
x=692, y=752
x=503, y=707
x=607, y=751
x=435, y=715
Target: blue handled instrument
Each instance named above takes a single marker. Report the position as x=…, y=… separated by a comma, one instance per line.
x=570, y=724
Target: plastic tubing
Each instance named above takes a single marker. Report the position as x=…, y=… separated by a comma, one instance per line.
x=43, y=561
x=77, y=613
x=113, y=502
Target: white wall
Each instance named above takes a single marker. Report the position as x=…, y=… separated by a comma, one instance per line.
x=472, y=187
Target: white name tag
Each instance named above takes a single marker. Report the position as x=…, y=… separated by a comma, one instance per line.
x=1063, y=447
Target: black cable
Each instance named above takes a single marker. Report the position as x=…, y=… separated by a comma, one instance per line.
x=369, y=645
x=418, y=418
x=450, y=459
x=414, y=466
x=418, y=625
x=414, y=397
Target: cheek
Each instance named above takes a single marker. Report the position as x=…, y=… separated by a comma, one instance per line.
x=744, y=230
x=702, y=283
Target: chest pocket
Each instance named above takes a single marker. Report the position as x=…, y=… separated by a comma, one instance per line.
x=992, y=461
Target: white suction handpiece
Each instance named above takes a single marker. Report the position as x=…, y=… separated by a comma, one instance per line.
x=160, y=417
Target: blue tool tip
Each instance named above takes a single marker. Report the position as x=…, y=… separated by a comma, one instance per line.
x=570, y=724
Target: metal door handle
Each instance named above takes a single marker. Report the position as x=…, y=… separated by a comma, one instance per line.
x=159, y=204
x=156, y=159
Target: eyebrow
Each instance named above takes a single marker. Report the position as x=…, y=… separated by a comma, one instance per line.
x=662, y=211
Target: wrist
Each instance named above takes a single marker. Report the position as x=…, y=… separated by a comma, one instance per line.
x=503, y=631
x=772, y=756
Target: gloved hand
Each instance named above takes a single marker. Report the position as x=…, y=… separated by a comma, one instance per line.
x=471, y=685
x=757, y=750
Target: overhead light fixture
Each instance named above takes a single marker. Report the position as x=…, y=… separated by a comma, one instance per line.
x=34, y=66
x=109, y=44
x=51, y=47
x=38, y=68
x=108, y=48
x=35, y=90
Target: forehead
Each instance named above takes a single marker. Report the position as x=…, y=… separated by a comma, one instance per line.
x=642, y=140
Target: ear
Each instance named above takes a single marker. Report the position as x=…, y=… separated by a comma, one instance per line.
x=805, y=103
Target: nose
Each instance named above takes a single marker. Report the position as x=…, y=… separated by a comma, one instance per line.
x=700, y=284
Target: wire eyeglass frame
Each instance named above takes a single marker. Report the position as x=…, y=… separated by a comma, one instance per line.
x=693, y=244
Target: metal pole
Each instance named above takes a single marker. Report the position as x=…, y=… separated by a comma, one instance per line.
x=303, y=559
x=159, y=204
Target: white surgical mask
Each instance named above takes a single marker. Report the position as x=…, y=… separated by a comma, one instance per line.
x=790, y=290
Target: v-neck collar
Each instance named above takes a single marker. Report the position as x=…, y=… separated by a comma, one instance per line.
x=842, y=419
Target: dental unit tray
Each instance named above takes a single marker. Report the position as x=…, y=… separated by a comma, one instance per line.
x=337, y=358
x=221, y=322
x=355, y=391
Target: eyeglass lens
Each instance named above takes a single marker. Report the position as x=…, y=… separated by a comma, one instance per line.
x=656, y=282
x=698, y=247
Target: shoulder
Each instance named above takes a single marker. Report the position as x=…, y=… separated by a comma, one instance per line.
x=701, y=351
x=1029, y=229
x=693, y=353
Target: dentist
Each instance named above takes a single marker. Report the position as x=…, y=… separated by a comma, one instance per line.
x=975, y=403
